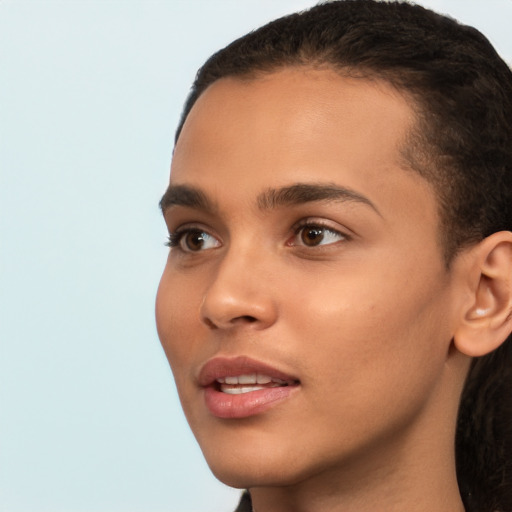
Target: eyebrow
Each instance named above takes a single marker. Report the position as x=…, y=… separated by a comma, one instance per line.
x=184, y=195
x=310, y=192
x=299, y=193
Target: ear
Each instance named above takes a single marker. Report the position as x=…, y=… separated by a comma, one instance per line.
x=486, y=320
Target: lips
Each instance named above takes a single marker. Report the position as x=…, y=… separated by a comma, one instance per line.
x=241, y=387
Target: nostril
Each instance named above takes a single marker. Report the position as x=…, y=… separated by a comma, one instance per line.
x=244, y=319
x=210, y=324
x=238, y=320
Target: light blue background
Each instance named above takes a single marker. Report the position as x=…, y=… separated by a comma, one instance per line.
x=90, y=93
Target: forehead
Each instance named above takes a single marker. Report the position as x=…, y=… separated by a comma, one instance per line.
x=300, y=125
x=293, y=114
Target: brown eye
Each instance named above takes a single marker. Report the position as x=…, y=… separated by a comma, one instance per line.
x=312, y=236
x=194, y=240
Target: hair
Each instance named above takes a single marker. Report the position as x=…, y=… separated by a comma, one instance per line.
x=461, y=92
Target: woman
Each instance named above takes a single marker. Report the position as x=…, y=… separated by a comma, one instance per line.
x=337, y=300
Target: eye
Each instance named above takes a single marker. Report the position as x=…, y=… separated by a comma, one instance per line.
x=192, y=240
x=314, y=235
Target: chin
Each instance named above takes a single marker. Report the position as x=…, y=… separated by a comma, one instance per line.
x=254, y=465
x=246, y=475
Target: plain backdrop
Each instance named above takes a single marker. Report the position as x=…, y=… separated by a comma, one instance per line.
x=90, y=94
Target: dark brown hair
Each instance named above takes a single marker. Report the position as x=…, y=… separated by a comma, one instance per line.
x=461, y=91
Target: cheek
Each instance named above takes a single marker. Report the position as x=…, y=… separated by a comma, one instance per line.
x=177, y=306
x=384, y=323
x=176, y=310
x=370, y=361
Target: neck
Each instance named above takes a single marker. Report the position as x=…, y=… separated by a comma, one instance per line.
x=422, y=486
x=384, y=495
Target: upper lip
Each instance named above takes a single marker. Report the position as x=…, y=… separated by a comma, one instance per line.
x=220, y=367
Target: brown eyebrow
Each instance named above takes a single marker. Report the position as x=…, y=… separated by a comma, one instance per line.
x=309, y=192
x=184, y=195
x=299, y=193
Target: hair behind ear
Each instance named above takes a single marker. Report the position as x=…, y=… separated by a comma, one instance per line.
x=484, y=433
x=484, y=427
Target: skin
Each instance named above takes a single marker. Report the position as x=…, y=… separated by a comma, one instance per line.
x=364, y=319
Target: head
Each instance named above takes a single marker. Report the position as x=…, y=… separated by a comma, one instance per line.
x=439, y=103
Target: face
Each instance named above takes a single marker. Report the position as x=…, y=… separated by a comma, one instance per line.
x=305, y=307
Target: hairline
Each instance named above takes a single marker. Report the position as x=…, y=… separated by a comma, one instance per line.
x=416, y=151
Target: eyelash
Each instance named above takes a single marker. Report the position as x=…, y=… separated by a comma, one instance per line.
x=318, y=224
x=175, y=238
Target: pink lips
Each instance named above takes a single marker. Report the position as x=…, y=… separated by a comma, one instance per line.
x=224, y=405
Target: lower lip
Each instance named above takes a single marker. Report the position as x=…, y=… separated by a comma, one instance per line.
x=224, y=405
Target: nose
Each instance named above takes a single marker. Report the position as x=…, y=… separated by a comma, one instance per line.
x=240, y=294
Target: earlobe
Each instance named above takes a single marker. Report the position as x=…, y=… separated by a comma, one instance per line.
x=487, y=317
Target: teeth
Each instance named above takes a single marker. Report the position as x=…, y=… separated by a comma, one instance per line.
x=240, y=390
x=263, y=379
x=247, y=379
x=252, y=378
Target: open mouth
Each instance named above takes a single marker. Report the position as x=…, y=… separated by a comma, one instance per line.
x=239, y=387
x=248, y=383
